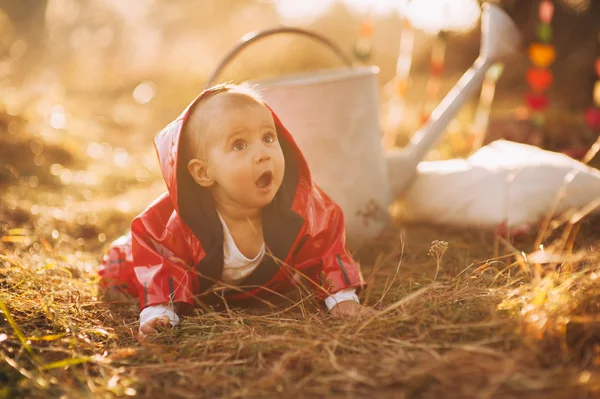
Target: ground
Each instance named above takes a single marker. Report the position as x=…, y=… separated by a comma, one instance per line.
x=460, y=314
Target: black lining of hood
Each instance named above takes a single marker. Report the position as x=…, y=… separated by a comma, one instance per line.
x=281, y=224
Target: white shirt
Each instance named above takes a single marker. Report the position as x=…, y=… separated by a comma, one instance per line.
x=236, y=267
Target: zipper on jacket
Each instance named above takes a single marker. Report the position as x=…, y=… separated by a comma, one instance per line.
x=298, y=241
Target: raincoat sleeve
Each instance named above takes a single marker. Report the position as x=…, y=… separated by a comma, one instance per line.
x=161, y=259
x=339, y=269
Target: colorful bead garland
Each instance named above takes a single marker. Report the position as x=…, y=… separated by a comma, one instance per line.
x=396, y=89
x=542, y=55
x=438, y=56
x=404, y=61
x=363, y=47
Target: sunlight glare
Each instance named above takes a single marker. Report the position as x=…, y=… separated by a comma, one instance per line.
x=378, y=7
x=584, y=377
x=57, y=117
x=124, y=206
x=132, y=11
x=302, y=11
x=307, y=11
x=433, y=16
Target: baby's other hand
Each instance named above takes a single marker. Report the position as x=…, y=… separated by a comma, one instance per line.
x=152, y=326
x=351, y=309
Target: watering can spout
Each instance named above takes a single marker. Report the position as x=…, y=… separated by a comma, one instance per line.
x=499, y=38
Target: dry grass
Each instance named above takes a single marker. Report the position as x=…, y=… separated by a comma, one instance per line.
x=461, y=314
x=450, y=324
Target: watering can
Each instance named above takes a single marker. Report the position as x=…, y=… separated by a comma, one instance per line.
x=334, y=117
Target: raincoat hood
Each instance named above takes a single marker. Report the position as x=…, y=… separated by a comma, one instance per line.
x=180, y=183
x=195, y=205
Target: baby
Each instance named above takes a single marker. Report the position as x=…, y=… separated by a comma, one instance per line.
x=241, y=214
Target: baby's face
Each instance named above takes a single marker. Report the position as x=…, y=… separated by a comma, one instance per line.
x=244, y=156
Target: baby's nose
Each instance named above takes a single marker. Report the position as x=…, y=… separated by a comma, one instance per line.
x=261, y=156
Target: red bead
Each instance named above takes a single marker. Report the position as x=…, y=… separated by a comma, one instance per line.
x=539, y=79
x=437, y=68
x=592, y=118
x=537, y=102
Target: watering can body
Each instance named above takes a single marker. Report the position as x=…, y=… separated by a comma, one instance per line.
x=334, y=117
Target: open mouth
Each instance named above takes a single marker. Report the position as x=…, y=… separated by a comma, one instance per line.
x=264, y=180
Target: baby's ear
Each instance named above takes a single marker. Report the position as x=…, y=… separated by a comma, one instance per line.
x=198, y=168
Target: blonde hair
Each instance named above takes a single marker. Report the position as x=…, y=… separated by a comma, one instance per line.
x=198, y=124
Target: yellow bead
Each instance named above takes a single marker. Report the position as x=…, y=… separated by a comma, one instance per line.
x=542, y=55
x=401, y=86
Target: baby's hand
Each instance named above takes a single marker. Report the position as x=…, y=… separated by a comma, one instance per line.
x=152, y=326
x=351, y=309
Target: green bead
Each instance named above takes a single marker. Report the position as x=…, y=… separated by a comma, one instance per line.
x=362, y=51
x=544, y=32
x=538, y=119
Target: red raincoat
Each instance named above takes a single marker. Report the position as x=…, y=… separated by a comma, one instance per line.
x=175, y=248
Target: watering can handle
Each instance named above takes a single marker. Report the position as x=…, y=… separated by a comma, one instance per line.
x=251, y=37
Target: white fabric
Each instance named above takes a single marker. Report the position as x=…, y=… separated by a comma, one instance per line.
x=348, y=294
x=236, y=267
x=501, y=182
x=152, y=312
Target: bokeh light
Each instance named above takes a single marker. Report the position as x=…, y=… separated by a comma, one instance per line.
x=95, y=150
x=302, y=11
x=57, y=117
x=121, y=157
x=144, y=92
x=433, y=16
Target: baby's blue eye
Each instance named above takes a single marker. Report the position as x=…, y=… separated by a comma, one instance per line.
x=239, y=146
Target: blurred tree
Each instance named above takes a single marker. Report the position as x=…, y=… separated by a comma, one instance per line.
x=27, y=17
